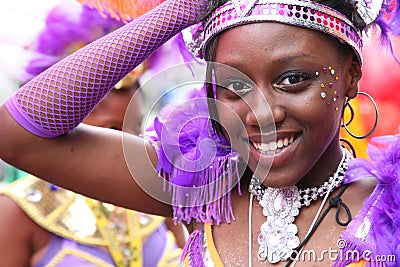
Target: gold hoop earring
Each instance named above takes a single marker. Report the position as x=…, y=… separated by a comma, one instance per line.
x=346, y=124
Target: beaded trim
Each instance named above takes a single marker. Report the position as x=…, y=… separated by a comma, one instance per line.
x=306, y=14
x=309, y=194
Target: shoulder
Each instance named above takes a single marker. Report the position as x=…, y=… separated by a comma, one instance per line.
x=358, y=192
x=16, y=233
x=25, y=201
x=50, y=208
x=11, y=214
x=19, y=235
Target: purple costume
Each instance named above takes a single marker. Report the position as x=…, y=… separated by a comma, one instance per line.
x=67, y=252
x=75, y=232
x=70, y=89
x=375, y=232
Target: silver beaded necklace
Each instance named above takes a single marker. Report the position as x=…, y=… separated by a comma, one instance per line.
x=278, y=234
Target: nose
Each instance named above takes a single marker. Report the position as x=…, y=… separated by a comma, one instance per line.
x=264, y=109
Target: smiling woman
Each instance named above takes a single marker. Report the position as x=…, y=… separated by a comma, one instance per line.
x=279, y=75
x=286, y=79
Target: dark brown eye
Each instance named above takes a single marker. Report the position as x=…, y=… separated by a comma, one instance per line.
x=237, y=86
x=294, y=78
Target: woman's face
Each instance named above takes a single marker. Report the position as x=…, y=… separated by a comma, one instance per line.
x=111, y=111
x=289, y=99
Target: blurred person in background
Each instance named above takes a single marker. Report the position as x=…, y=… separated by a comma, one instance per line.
x=57, y=227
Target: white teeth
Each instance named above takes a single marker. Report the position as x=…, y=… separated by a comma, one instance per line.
x=264, y=147
x=285, y=141
x=280, y=143
x=272, y=146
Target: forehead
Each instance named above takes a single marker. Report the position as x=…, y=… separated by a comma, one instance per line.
x=275, y=42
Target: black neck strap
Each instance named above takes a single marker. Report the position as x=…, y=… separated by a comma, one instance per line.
x=335, y=201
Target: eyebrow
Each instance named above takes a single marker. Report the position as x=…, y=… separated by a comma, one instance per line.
x=280, y=60
x=294, y=57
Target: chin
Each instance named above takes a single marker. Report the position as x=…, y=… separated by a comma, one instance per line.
x=277, y=180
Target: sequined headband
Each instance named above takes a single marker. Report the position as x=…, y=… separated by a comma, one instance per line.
x=306, y=14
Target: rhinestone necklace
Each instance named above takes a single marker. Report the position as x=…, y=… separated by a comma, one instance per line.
x=278, y=236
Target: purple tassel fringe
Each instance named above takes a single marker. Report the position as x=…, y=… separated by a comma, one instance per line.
x=199, y=168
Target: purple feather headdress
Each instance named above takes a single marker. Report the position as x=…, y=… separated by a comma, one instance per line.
x=388, y=20
x=68, y=27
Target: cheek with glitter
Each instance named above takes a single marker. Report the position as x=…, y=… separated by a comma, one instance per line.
x=328, y=92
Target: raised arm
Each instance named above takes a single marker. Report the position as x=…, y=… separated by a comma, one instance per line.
x=36, y=122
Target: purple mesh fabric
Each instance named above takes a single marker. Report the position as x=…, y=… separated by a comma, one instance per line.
x=57, y=100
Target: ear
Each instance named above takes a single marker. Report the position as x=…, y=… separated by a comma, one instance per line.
x=353, y=77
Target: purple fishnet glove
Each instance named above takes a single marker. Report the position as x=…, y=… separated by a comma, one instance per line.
x=56, y=101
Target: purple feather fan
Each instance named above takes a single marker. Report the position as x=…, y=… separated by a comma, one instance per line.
x=374, y=234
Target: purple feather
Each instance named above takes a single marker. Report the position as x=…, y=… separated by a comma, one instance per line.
x=188, y=57
x=388, y=21
x=68, y=27
x=201, y=172
x=376, y=228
